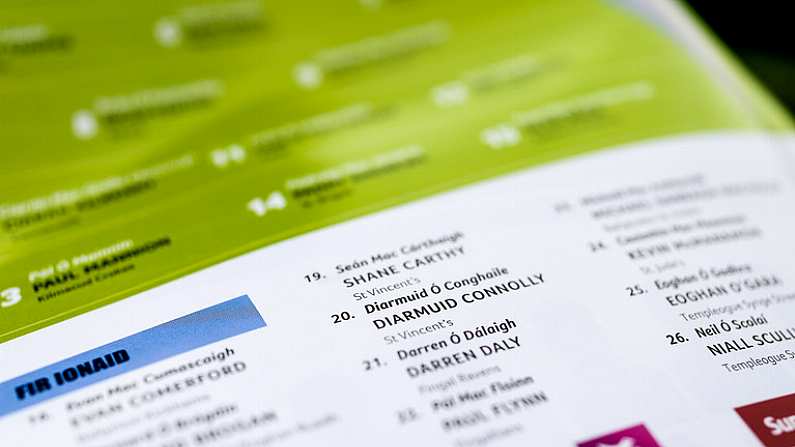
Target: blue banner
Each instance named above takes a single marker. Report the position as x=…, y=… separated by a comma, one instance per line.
x=192, y=331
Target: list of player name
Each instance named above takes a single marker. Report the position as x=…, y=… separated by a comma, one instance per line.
x=439, y=331
x=729, y=309
x=438, y=310
x=471, y=397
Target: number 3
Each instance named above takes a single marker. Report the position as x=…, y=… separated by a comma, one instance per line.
x=10, y=296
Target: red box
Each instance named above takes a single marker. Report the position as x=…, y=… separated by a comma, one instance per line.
x=772, y=421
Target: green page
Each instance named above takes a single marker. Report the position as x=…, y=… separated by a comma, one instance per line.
x=145, y=141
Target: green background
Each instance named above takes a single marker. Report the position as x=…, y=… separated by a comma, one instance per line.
x=578, y=48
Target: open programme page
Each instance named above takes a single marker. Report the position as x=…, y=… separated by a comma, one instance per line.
x=392, y=223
